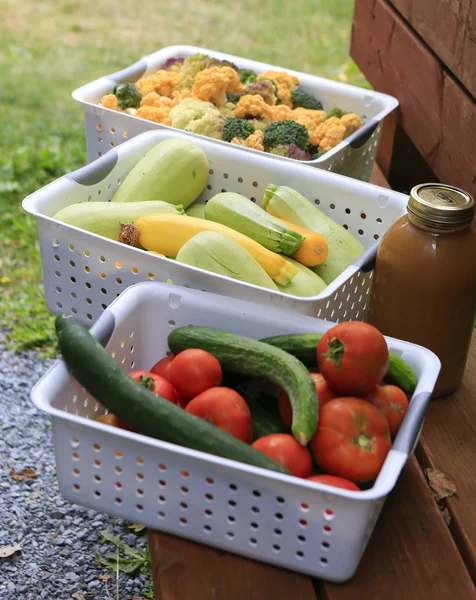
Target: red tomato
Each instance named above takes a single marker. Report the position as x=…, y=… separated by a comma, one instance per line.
x=114, y=421
x=353, y=358
x=286, y=451
x=392, y=402
x=324, y=394
x=226, y=409
x=193, y=371
x=162, y=368
x=339, y=482
x=352, y=439
x=156, y=384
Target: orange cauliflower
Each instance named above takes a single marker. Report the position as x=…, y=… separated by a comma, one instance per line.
x=179, y=95
x=311, y=119
x=212, y=85
x=281, y=112
x=155, y=99
x=329, y=134
x=351, y=122
x=162, y=82
x=255, y=141
x=110, y=101
x=252, y=106
x=285, y=82
x=157, y=114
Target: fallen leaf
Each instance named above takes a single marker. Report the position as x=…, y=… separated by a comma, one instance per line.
x=27, y=474
x=137, y=527
x=105, y=577
x=9, y=550
x=78, y=596
x=441, y=486
x=138, y=598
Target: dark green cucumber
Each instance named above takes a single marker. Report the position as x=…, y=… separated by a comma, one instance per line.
x=255, y=359
x=303, y=346
x=144, y=411
x=264, y=423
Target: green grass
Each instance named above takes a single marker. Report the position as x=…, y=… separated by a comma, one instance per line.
x=49, y=48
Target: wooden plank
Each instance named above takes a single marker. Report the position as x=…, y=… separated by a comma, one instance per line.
x=435, y=112
x=411, y=553
x=183, y=570
x=449, y=29
x=448, y=444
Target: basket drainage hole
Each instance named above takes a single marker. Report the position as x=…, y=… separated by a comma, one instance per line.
x=139, y=507
x=118, y=453
x=304, y=507
x=139, y=460
x=183, y=521
x=255, y=509
x=256, y=493
x=76, y=487
x=162, y=499
x=253, y=541
x=278, y=532
x=300, y=554
x=328, y=514
x=279, y=500
x=183, y=505
x=74, y=442
x=97, y=447
x=207, y=528
x=140, y=493
x=231, y=519
x=276, y=548
x=118, y=485
x=232, y=487
x=76, y=472
x=230, y=535
x=75, y=456
x=161, y=514
x=209, y=497
x=118, y=500
x=301, y=539
x=279, y=516
x=184, y=490
x=325, y=545
x=162, y=483
x=208, y=512
x=162, y=467
x=210, y=481
x=140, y=476
x=327, y=529
x=303, y=522
x=96, y=463
x=240, y=179
x=97, y=478
x=254, y=525
x=231, y=503
x=324, y=561
x=172, y=323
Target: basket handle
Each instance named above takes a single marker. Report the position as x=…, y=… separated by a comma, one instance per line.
x=366, y=261
x=408, y=435
x=103, y=328
x=360, y=137
x=96, y=171
x=131, y=73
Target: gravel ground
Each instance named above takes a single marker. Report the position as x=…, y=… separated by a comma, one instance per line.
x=59, y=540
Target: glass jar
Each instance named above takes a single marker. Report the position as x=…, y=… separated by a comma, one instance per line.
x=424, y=285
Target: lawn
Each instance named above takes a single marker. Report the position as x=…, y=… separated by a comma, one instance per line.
x=49, y=48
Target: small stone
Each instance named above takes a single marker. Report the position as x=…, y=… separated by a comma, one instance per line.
x=131, y=539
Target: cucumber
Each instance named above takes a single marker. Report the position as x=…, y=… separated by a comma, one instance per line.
x=264, y=423
x=105, y=218
x=239, y=213
x=144, y=411
x=290, y=205
x=175, y=171
x=303, y=347
x=255, y=359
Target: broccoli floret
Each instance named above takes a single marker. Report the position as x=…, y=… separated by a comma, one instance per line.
x=247, y=76
x=301, y=99
x=240, y=128
x=233, y=98
x=170, y=62
x=284, y=133
x=335, y=112
x=317, y=155
x=266, y=88
x=291, y=151
x=128, y=96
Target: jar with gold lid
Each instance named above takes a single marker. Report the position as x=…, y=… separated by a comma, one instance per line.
x=424, y=285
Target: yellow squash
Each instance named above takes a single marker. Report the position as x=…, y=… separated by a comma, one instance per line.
x=165, y=234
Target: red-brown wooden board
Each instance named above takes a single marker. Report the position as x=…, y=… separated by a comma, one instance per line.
x=448, y=27
x=436, y=113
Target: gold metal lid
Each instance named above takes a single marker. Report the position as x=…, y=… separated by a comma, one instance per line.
x=441, y=205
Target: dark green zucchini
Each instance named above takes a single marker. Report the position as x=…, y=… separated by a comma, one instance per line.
x=303, y=346
x=144, y=411
x=255, y=359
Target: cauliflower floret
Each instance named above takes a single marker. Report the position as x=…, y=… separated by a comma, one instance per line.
x=198, y=117
x=189, y=69
x=260, y=123
x=285, y=82
x=162, y=82
x=110, y=101
x=227, y=110
x=158, y=114
x=329, y=133
x=211, y=85
x=351, y=122
x=252, y=106
x=311, y=119
x=255, y=141
x=180, y=95
x=155, y=99
x=210, y=125
x=281, y=112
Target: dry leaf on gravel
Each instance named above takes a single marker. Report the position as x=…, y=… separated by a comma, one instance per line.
x=441, y=486
x=105, y=577
x=9, y=550
x=78, y=596
x=137, y=527
x=27, y=474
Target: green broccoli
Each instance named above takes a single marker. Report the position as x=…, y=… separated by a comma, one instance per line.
x=247, y=76
x=240, y=128
x=317, y=155
x=301, y=99
x=284, y=133
x=128, y=96
x=335, y=112
x=233, y=98
x=266, y=88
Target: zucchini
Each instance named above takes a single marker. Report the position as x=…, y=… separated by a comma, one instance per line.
x=303, y=347
x=175, y=171
x=105, y=218
x=239, y=213
x=142, y=410
x=255, y=359
x=290, y=205
x=196, y=210
x=303, y=285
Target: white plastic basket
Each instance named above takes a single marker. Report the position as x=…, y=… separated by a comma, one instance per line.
x=353, y=157
x=312, y=528
x=81, y=270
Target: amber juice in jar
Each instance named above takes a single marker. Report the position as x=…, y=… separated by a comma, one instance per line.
x=424, y=285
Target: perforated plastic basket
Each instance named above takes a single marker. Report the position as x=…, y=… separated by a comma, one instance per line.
x=313, y=528
x=353, y=157
x=83, y=272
